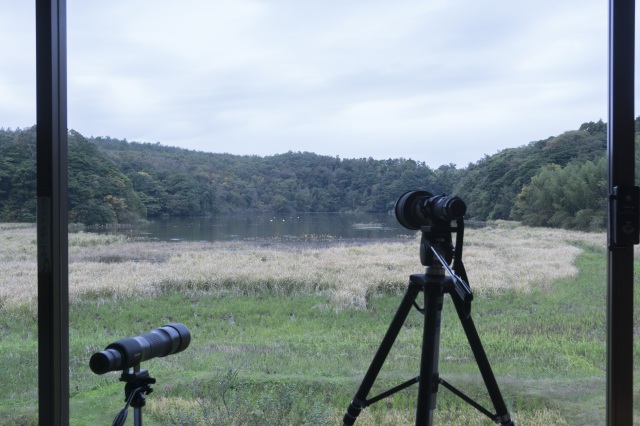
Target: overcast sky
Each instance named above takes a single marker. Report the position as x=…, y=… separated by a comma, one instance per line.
x=434, y=80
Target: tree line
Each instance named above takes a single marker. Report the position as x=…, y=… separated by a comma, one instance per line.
x=559, y=181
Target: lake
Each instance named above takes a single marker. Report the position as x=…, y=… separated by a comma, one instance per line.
x=299, y=226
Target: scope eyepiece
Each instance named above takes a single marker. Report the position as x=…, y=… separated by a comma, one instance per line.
x=415, y=209
x=126, y=353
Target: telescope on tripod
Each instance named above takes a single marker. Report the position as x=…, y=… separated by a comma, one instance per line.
x=127, y=354
x=433, y=215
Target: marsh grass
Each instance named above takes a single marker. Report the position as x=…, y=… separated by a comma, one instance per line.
x=498, y=258
x=284, y=332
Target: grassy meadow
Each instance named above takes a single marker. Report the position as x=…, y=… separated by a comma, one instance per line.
x=283, y=332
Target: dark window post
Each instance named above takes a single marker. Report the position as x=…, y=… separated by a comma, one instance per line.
x=53, y=279
x=621, y=154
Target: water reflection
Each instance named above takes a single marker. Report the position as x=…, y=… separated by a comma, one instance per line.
x=302, y=226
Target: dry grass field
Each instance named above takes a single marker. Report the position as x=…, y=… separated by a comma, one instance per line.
x=306, y=321
x=498, y=257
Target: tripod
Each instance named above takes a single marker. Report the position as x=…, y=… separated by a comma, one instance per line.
x=137, y=384
x=436, y=253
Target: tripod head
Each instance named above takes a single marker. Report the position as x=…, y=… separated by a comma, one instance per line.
x=437, y=252
x=437, y=238
x=433, y=214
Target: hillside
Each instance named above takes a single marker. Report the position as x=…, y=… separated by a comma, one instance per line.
x=491, y=185
x=113, y=180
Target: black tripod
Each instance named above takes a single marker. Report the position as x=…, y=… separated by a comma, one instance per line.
x=434, y=284
x=137, y=384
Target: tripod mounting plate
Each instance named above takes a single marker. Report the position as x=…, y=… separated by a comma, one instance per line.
x=138, y=382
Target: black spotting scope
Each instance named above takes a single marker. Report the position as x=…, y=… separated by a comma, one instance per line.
x=131, y=351
x=415, y=209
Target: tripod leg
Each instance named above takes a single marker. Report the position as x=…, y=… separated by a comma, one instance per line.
x=359, y=401
x=502, y=415
x=137, y=416
x=428, y=386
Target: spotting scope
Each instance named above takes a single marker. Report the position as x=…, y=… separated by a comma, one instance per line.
x=131, y=351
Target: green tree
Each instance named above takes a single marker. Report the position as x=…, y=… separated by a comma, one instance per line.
x=18, y=175
x=572, y=197
x=98, y=192
x=150, y=192
x=491, y=185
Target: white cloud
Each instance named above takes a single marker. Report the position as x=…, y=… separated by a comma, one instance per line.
x=439, y=81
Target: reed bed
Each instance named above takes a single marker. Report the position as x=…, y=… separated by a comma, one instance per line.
x=504, y=256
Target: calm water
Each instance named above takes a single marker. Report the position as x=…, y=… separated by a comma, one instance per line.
x=269, y=226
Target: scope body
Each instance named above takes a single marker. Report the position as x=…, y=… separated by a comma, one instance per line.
x=415, y=209
x=131, y=351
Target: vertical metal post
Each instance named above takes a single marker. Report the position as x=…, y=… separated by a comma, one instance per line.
x=621, y=155
x=53, y=301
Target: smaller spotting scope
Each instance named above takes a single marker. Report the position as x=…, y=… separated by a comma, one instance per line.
x=126, y=353
x=415, y=209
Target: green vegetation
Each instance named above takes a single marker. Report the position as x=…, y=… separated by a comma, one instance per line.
x=491, y=185
x=268, y=356
x=98, y=191
x=559, y=181
x=113, y=181
x=573, y=197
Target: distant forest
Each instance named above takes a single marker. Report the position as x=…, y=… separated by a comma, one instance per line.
x=560, y=181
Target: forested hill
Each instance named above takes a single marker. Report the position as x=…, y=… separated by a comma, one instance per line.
x=178, y=182
x=491, y=186
x=114, y=180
